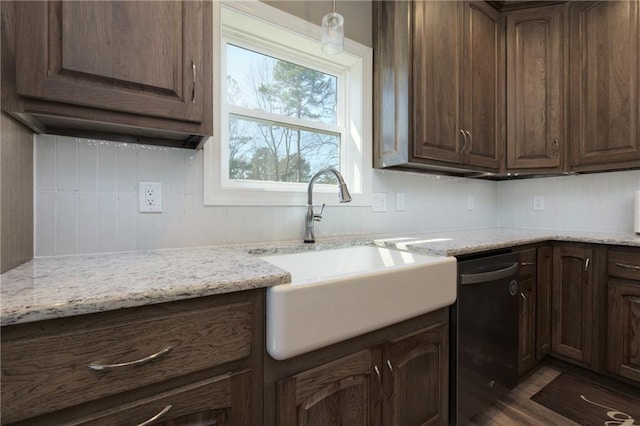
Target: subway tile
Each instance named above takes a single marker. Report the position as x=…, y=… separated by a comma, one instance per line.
x=88, y=222
x=127, y=168
x=107, y=166
x=127, y=212
x=87, y=165
x=176, y=173
x=67, y=163
x=45, y=163
x=45, y=224
x=107, y=222
x=67, y=223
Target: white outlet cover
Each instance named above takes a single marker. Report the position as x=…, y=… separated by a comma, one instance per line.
x=538, y=202
x=470, y=202
x=150, y=197
x=400, y=201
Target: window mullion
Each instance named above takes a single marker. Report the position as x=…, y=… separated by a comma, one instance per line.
x=283, y=119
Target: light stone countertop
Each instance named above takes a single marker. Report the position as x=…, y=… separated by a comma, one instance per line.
x=63, y=286
x=55, y=287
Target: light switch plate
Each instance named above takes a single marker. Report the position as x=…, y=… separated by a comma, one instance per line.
x=538, y=202
x=379, y=202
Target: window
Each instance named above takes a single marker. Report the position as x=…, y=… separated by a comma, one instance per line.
x=285, y=111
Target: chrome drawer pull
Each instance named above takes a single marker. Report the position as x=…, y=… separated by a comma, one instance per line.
x=164, y=411
x=624, y=265
x=100, y=367
x=527, y=263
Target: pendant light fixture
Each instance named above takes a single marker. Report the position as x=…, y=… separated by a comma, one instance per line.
x=332, y=32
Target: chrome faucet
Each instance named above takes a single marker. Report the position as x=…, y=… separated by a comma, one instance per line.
x=343, y=196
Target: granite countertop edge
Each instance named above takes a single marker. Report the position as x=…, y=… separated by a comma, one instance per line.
x=25, y=298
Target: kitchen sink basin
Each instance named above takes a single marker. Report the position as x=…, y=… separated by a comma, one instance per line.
x=341, y=293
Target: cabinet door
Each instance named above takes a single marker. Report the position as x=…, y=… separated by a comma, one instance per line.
x=483, y=85
x=436, y=91
x=527, y=309
x=604, y=77
x=141, y=57
x=343, y=392
x=416, y=378
x=535, y=88
x=572, y=302
x=623, y=343
x=544, y=277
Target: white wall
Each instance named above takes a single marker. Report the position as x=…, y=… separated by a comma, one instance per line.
x=593, y=202
x=86, y=201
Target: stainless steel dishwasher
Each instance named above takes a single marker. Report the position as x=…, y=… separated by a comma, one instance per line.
x=484, y=334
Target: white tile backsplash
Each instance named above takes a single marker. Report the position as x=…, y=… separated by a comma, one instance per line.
x=97, y=210
x=593, y=202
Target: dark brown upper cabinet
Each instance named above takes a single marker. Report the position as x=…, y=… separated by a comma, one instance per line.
x=439, y=97
x=604, y=78
x=535, y=90
x=140, y=68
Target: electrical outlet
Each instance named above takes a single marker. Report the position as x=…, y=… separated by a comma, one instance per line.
x=399, y=201
x=471, y=202
x=150, y=197
x=538, y=202
x=379, y=202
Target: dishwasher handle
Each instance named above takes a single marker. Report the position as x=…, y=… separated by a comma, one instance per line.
x=484, y=277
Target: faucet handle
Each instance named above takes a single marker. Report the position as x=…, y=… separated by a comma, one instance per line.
x=318, y=216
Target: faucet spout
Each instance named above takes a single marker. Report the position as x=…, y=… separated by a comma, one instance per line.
x=343, y=196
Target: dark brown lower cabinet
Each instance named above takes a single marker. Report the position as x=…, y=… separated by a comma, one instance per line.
x=416, y=375
x=572, y=302
x=218, y=401
x=623, y=354
x=623, y=324
x=396, y=376
x=343, y=392
x=527, y=312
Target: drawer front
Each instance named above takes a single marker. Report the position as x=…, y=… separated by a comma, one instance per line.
x=624, y=264
x=527, y=262
x=208, y=402
x=44, y=374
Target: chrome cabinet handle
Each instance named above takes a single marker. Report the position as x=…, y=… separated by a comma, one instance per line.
x=164, y=411
x=586, y=264
x=375, y=367
x=556, y=146
x=100, y=367
x=470, y=141
x=464, y=138
x=390, y=367
x=524, y=305
x=527, y=263
x=193, y=90
x=624, y=265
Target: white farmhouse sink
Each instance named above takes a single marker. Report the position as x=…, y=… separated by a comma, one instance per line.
x=341, y=293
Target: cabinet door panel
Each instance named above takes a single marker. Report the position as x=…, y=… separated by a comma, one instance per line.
x=624, y=329
x=605, y=43
x=141, y=57
x=437, y=54
x=483, y=79
x=572, y=302
x=345, y=392
x=534, y=83
x=417, y=367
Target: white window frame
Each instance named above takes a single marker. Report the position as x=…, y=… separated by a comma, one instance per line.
x=252, y=24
